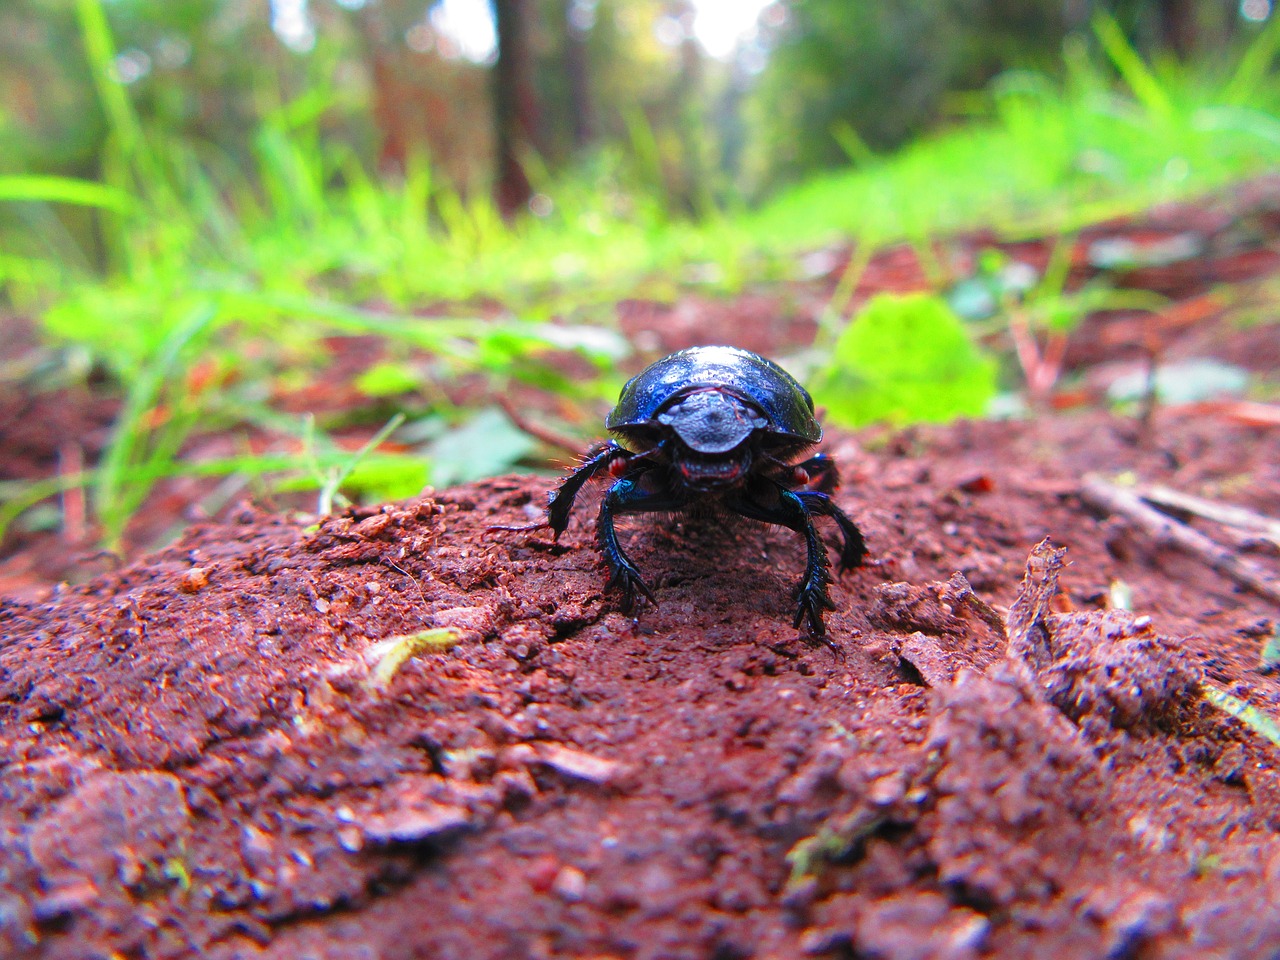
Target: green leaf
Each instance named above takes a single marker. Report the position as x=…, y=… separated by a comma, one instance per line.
x=486, y=445
x=905, y=359
x=388, y=380
x=383, y=478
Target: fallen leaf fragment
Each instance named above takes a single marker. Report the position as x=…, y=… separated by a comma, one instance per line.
x=388, y=656
x=1028, y=634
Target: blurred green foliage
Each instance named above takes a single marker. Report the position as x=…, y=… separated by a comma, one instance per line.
x=197, y=206
x=905, y=359
x=845, y=80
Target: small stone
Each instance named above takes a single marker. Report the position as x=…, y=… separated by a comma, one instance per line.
x=542, y=873
x=578, y=765
x=194, y=580
x=416, y=825
x=351, y=839
x=819, y=942
x=887, y=790
x=64, y=902
x=570, y=884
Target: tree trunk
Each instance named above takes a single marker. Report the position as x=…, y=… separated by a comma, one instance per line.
x=1178, y=26
x=514, y=104
x=578, y=77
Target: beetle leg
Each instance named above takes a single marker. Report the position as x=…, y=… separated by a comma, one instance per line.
x=561, y=501
x=792, y=513
x=855, y=548
x=626, y=496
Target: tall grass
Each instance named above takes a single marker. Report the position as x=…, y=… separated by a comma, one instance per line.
x=1116, y=136
x=306, y=218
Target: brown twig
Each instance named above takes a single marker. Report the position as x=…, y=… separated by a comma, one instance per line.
x=1027, y=351
x=1227, y=514
x=1253, y=413
x=1167, y=531
x=1150, y=392
x=71, y=463
x=537, y=431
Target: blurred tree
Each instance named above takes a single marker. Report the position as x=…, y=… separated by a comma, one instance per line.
x=860, y=74
x=48, y=114
x=621, y=84
x=1180, y=27
x=421, y=93
x=881, y=69
x=515, y=103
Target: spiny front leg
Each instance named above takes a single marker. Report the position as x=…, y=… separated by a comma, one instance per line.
x=789, y=511
x=628, y=496
x=854, y=547
x=561, y=502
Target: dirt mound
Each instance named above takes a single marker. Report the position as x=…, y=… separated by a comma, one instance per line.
x=401, y=733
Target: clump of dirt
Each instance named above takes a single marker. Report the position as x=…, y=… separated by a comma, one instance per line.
x=401, y=732
x=1107, y=665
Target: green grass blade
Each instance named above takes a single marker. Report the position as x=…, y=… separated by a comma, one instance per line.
x=51, y=189
x=1253, y=718
x=334, y=482
x=129, y=436
x=1131, y=67
x=1251, y=73
x=18, y=496
x=100, y=49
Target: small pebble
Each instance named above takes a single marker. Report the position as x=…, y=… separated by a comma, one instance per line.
x=570, y=884
x=194, y=580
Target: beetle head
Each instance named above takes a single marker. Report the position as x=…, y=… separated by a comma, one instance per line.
x=712, y=427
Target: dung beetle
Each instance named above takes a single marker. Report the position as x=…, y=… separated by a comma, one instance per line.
x=719, y=428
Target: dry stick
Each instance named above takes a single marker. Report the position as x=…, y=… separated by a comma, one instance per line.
x=71, y=463
x=1167, y=531
x=1227, y=514
x=1030, y=358
x=549, y=437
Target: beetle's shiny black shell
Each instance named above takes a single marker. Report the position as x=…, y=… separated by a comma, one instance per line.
x=760, y=382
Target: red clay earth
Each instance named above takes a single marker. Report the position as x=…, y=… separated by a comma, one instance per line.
x=212, y=751
x=200, y=760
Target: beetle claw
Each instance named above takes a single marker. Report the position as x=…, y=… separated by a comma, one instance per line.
x=814, y=602
x=628, y=579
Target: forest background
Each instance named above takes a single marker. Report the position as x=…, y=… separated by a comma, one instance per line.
x=195, y=194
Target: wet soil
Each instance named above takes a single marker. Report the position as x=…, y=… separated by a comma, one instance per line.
x=400, y=732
